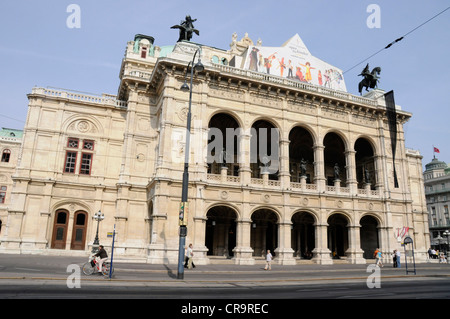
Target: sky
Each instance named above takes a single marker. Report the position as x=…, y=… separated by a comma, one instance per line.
x=41, y=44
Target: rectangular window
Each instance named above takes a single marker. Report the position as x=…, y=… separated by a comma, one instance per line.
x=71, y=160
x=2, y=194
x=6, y=155
x=86, y=163
x=144, y=53
x=74, y=148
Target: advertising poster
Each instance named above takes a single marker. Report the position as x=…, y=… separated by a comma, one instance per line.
x=294, y=61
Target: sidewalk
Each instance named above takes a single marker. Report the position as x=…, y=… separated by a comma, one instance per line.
x=33, y=267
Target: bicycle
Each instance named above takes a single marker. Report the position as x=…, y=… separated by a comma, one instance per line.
x=92, y=265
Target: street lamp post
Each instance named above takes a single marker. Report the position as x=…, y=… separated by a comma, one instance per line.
x=98, y=216
x=184, y=192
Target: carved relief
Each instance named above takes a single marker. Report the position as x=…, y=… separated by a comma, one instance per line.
x=83, y=126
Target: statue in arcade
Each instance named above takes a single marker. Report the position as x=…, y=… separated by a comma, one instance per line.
x=370, y=78
x=186, y=29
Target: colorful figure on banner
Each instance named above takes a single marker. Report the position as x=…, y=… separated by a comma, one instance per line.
x=299, y=75
x=320, y=77
x=281, y=66
x=290, y=69
x=308, y=68
x=327, y=79
x=268, y=62
x=253, y=59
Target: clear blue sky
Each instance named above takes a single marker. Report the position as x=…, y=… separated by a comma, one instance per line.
x=38, y=49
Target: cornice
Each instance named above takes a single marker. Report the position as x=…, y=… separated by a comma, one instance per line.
x=273, y=87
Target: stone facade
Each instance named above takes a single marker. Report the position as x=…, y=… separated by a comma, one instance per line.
x=124, y=155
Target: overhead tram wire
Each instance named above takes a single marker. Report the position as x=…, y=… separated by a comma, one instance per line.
x=397, y=40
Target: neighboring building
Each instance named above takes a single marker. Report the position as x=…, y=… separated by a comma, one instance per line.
x=327, y=189
x=10, y=144
x=437, y=192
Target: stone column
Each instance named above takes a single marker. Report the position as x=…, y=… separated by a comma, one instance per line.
x=319, y=168
x=245, y=171
x=354, y=251
x=243, y=251
x=284, y=174
x=284, y=251
x=321, y=254
x=351, y=171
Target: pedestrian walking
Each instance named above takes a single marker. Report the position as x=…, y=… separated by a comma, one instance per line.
x=189, y=263
x=398, y=258
x=375, y=253
x=379, y=257
x=268, y=260
x=394, y=258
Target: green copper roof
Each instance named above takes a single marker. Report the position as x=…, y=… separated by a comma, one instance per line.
x=165, y=50
x=435, y=164
x=10, y=132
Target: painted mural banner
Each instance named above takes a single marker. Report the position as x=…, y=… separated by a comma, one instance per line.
x=294, y=61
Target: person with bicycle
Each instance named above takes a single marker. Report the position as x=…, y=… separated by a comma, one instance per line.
x=102, y=257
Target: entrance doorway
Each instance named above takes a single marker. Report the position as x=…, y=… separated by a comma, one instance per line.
x=220, y=234
x=264, y=232
x=303, y=235
x=60, y=230
x=369, y=236
x=79, y=231
x=337, y=235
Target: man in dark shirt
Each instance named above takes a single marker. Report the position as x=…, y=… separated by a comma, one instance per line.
x=102, y=257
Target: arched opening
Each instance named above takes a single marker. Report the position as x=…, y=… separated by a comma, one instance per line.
x=365, y=164
x=264, y=152
x=223, y=144
x=369, y=236
x=337, y=235
x=264, y=232
x=303, y=235
x=220, y=234
x=334, y=158
x=301, y=155
x=79, y=231
x=60, y=229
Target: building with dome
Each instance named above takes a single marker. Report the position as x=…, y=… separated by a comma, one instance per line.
x=437, y=192
x=281, y=159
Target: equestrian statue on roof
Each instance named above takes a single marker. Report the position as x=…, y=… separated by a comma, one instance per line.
x=370, y=78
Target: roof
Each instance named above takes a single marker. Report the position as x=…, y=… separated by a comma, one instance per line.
x=10, y=132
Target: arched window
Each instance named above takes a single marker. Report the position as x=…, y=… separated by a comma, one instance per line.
x=6, y=155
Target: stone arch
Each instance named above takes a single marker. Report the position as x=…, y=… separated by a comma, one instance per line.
x=265, y=149
x=74, y=230
x=335, y=147
x=230, y=113
x=220, y=232
x=338, y=238
x=369, y=234
x=264, y=230
x=365, y=163
x=220, y=153
x=85, y=124
x=307, y=127
x=303, y=234
x=301, y=154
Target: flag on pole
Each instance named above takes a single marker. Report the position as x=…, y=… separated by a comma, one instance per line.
x=435, y=150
